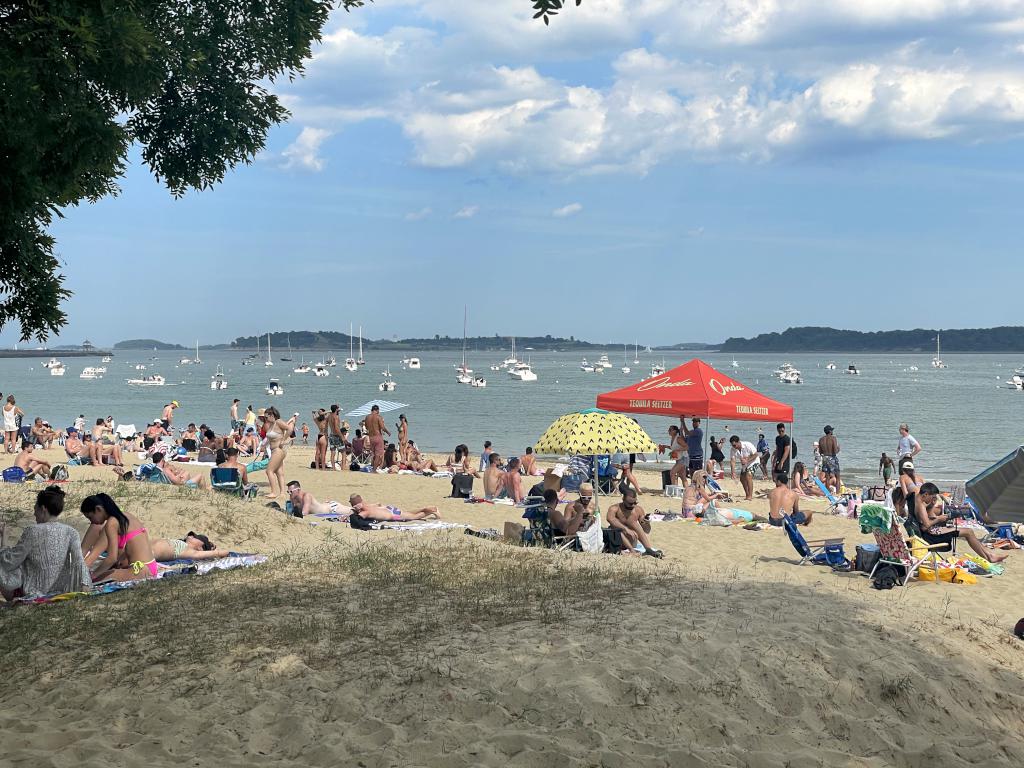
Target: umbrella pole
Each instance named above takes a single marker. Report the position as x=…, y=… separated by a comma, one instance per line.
x=597, y=487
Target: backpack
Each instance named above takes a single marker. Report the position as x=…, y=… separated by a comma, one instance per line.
x=59, y=473
x=886, y=577
x=462, y=486
x=792, y=448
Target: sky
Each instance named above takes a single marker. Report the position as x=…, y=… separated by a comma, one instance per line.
x=658, y=170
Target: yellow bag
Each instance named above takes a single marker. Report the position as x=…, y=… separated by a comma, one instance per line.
x=952, y=575
x=918, y=547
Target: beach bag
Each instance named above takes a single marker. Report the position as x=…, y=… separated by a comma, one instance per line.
x=867, y=557
x=359, y=523
x=874, y=493
x=833, y=556
x=462, y=486
x=59, y=473
x=612, y=540
x=886, y=577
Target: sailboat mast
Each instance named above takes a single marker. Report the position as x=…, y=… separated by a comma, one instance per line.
x=464, y=316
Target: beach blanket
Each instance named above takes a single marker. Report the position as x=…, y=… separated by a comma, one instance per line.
x=417, y=526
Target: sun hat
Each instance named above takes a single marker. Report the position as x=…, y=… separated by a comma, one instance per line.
x=261, y=412
x=175, y=403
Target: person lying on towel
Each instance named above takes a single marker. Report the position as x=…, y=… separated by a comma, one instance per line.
x=386, y=513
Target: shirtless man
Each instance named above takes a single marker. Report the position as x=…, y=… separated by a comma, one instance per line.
x=28, y=461
x=512, y=485
x=563, y=523
x=494, y=484
x=783, y=500
x=168, y=415
x=75, y=448
x=384, y=513
x=528, y=462
x=828, y=447
x=231, y=462
x=334, y=439
x=42, y=434
x=235, y=423
x=375, y=431
x=179, y=476
x=629, y=517
x=305, y=503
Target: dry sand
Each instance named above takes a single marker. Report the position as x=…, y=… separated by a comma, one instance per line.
x=400, y=649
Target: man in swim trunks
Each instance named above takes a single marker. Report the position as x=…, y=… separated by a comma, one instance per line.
x=335, y=441
x=168, y=415
x=75, y=448
x=386, y=513
x=828, y=446
x=783, y=500
x=42, y=434
x=305, y=503
x=564, y=523
x=748, y=455
x=528, y=462
x=235, y=423
x=375, y=431
x=494, y=478
x=629, y=517
x=31, y=463
x=512, y=484
x=178, y=476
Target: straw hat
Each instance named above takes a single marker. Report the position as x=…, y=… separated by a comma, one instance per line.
x=586, y=489
x=261, y=412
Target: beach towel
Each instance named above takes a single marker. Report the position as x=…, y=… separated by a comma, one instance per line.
x=875, y=517
x=416, y=526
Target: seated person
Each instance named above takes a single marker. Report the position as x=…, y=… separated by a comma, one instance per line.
x=932, y=520
x=458, y=463
x=384, y=513
x=47, y=558
x=211, y=441
x=418, y=462
x=699, y=495
x=494, y=478
x=568, y=523
x=190, y=438
x=802, y=483
x=528, y=463
x=623, y=464
x=629, y=517
x=249, y=443
x=42, y=435
x=304, y=503
x=392, y=463
x=178, y=475
x=29, y=462
x=783, y=500
x=359, y=447
x=75, y=448
x=231, y=462
x=115, y=538
x=192, y=546
x=153, y=433
x=511, y=483
x=580, y=506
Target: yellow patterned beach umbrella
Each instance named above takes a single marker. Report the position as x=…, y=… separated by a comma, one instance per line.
x=594, y=432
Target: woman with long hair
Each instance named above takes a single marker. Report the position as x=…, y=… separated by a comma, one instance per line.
x=12, y=414
x=120, y=535
x=932, y=521
x=279, y=434
x=320, y=455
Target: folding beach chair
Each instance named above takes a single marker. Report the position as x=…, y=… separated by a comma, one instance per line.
x=893, y=550
x=833, y=502
x=540, y=533
x=150, y=473
x=14, y=475
x=819, y=552
x=229, y=480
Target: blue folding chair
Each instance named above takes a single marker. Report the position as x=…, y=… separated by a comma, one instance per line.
x=833, y=502
x=229, y=480
x=820, y=552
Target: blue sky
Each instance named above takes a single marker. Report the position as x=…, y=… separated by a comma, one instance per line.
x=671, y=171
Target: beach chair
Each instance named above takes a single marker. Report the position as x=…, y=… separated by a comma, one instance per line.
x=819, y=552
x=229, y=480
x=150, y=473
x=14, y=475
x=893, y=550
x=833, y=501
x=540, y=533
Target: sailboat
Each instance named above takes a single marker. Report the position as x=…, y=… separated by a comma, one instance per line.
x=511, y=360
x=636, y=356
x=463, y=373
x=937, y=360
x=359, y=360
x=625, y=368
x=350, y=362
x=289, y=358
x=247, y=360
x=268, y=361
x=302, y=367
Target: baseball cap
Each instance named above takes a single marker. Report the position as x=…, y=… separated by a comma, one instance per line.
x=175, y=403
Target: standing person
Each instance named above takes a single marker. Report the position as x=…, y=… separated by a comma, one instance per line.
x=250, y=417
x=320, y=452
x=623, y=462
x=168, y=415
x=828, y=445
x=375, y=431
x=717, y=457
x=80, y=423
x=907, y=448
x=885, y=468
x=783, y=449
x=334, y=439
x=305, y=433
x=764, y=453
x=485, y=457
x=278, y=434
x=694, y=443
x=235, y=422
x=747, y=454
x=403, y=437
x=12, y=423
x=677, y=450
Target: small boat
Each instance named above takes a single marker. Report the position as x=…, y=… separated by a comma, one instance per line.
x=359, y=360
x=321, y=371
x=268, y=362
x=852, y=370
x=603, y=362
x=462, y=372
x=636, y=355
x=586, y=367
x=478, y=381
x=53, y=362
x=275, y=388
x=140, y=367
x=388, y=385
x=495, y=367
x=57, y=370
x=106, y=359
x=246, y=361
x=831, y=366
x=350, y=362
x=331, y=361
x=289, y=358
x=156, y=380
x=217, y=381
x=735, y=363
x=791, y=377
x=937, y=360
x=1016, y=382
x=522, y=372
x=658, y=370
x=625, y=368
x=302, y=367
x=511, y=360
x=90, y=372
x=913, y=368
x=414, y=363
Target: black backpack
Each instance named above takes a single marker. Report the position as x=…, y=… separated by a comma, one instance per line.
x=792, y=446
x=462, y=486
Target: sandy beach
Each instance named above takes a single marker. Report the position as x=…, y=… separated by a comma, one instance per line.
x=413, y=649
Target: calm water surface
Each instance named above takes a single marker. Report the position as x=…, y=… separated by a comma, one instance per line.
x=964, y=417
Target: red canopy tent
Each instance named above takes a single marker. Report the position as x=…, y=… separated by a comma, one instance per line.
x=696, y=389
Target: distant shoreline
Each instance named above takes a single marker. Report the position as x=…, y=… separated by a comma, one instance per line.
x=34, y=353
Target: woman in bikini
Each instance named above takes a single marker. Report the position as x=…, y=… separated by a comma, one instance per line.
x=11, y=414
x=192, y=546
x=279, y=433
x=403, y=437
x=698, y=495
x=801, y=483
x=122, y=536
x=320, y=422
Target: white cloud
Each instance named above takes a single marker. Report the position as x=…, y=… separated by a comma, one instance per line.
x=419, y=215
x=466, y=212
x=302, y=153
x=567, y=210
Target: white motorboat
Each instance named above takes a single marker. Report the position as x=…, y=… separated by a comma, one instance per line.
x=463, y=378
x=495, y=367
x=246, y=361
x=937, y=360
x=388, y=385
x=913, y=368
x=522, y=372
x=791, y=377
x=53, y=362
x=734, y=363
x=478, y=381
x=302, y=367
x=414, y=363
x=782, y=370
x=274, y=388
x=1016, y=382
x=268, y=362
x=90, y=372
x=657, y=370
x=156, y=380
x=190, y=361
x=321, y=371
x=831, y=366
x=331, y=361
x=57, y=370
x=140, y=367
x=852, y=370
x=217, y=381
x=106, y=359
x=586, y=367
x=603, y=362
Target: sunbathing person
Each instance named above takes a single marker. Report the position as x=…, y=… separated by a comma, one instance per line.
x=575, y=518
x=418, y=462
x=305, y=503
x=119, y=535
x=494, y=478
x=511, y=482
x=75, y=448
x=42, y=434
x=385, y=513
x=192, y=546
x=802, y=483
x=699, y=495
x=47, y=558
x=458, y=462
x=933, y=522
x=783, y=500
x=31, y=463
x=104, y=444
x=178, y=476
x=629, y=517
